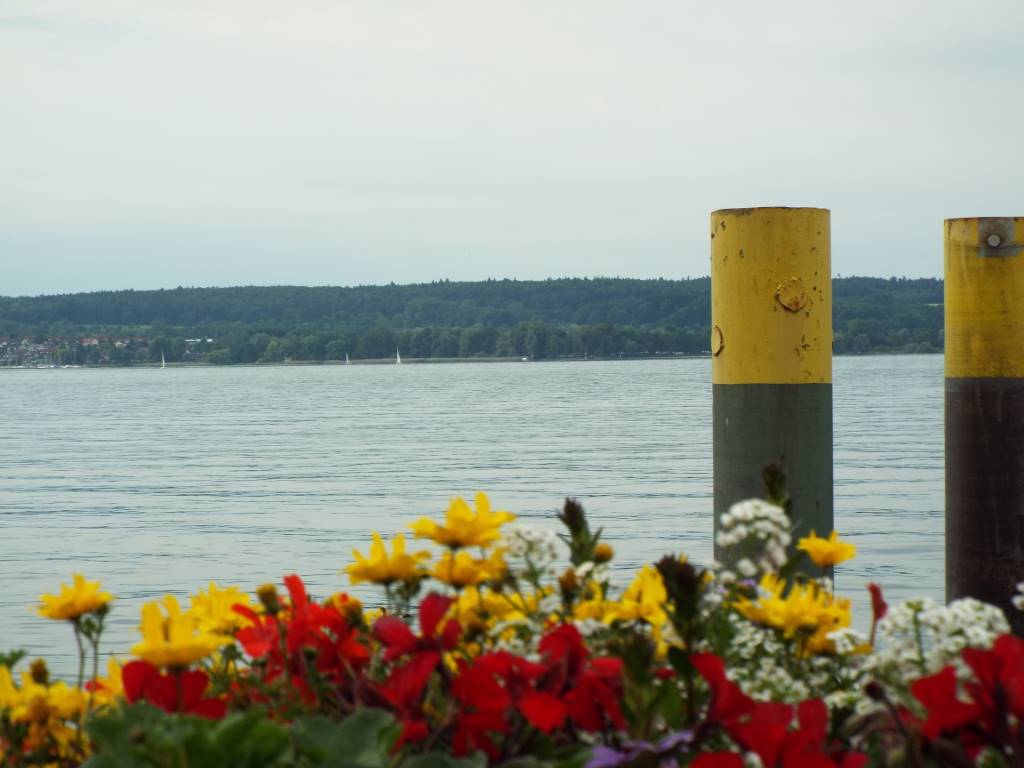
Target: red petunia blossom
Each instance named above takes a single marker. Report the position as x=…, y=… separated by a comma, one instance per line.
x=717, y=760
x=400, y=639
x=262, y=637
x=765, y=731
x=766, y=728
x=403, y=690
x=946, y=712
x=593, y=702
x=728, y=702
x=518, y=676
x=999, y=673
x=878, y=605
x=589, y=688
x=484, y=704
x=283, y=642
x=180, y=692
x=563, y=647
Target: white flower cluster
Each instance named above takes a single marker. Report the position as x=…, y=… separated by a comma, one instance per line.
x=539, y=545
x=847, y=640
x=920, y=637
x=760, y=530
x=1018, y=599
x=590, y=571
x=766, y=669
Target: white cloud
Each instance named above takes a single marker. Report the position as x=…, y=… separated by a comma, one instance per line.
x=469, y=139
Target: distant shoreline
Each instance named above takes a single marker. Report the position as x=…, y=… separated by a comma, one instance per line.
x=409, y=361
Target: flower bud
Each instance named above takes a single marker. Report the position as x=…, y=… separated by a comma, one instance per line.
x=603, y=553
x=573, y=518
x=39, y=672
x=875, y=691
x=568, y=583
x=267, y=593
x=349, y=607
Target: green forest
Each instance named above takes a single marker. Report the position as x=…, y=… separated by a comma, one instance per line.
x=547, y=319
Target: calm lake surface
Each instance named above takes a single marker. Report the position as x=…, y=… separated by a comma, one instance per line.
x=161, y=480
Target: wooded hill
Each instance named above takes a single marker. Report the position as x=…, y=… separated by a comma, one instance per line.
x=550, y=318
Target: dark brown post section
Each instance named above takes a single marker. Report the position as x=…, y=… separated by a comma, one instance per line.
x=985, y=410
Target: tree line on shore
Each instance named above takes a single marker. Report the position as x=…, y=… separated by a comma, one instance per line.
x=551, y=319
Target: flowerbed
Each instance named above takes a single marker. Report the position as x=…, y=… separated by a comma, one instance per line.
x=489, y=652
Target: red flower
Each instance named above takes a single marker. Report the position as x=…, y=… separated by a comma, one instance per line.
x=174, y=692
x=262, y=636
x=567, y=684
x=284, y=640
x=403, y=690
x=728, y=702
x=488, y=691
x=946, y=712
x=594, y=700
x=766, y=728
x=401, y=641
x=544, y=711
x=765, y=731
x=878, y=605
x=589, y=689
x=563, y=647
x=999, y=689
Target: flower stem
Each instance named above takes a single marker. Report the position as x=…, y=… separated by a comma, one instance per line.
x=81, y=653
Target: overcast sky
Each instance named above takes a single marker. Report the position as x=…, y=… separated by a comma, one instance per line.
x=156, y=143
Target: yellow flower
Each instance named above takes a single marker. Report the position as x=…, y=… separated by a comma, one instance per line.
x=484, y=607
x=175, y=640
x=37, y=702
x=595, y=608
x=463, y=527
x=8, y=693
x=826, y=552
x=73, y=600
x=45, y=709
x=109, y=689
x=213, y=609
x=643, y=599
x=459, y=569
x=807, y=610
x=379, y=568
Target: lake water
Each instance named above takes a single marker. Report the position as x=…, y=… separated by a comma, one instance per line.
x=161, y=480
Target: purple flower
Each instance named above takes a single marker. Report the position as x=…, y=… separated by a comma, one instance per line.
x=664, y=751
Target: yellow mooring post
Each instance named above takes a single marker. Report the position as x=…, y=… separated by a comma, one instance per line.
x=985, y=410
x=771, y=364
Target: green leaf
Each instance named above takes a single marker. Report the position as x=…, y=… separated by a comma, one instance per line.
x=440, y=760
x=573, y=757
x=10, y=658
x=680, y=660
x=363, y=740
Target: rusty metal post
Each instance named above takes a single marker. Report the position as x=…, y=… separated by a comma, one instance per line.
x=771, y=365
x=985, y=410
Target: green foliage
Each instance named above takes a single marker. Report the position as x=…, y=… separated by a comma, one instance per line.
x=549, y=319
x=142, y=736
x=10, y=658
x=361, y=741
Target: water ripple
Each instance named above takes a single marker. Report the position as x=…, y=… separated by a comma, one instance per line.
x=166, y=479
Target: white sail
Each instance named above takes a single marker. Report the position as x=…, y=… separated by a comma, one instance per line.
x=347, y=360
x=398, y=358
x=163, y=363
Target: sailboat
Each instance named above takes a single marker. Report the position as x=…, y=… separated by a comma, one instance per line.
x=163, y=362
x=398, y=358
x=347, y=362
